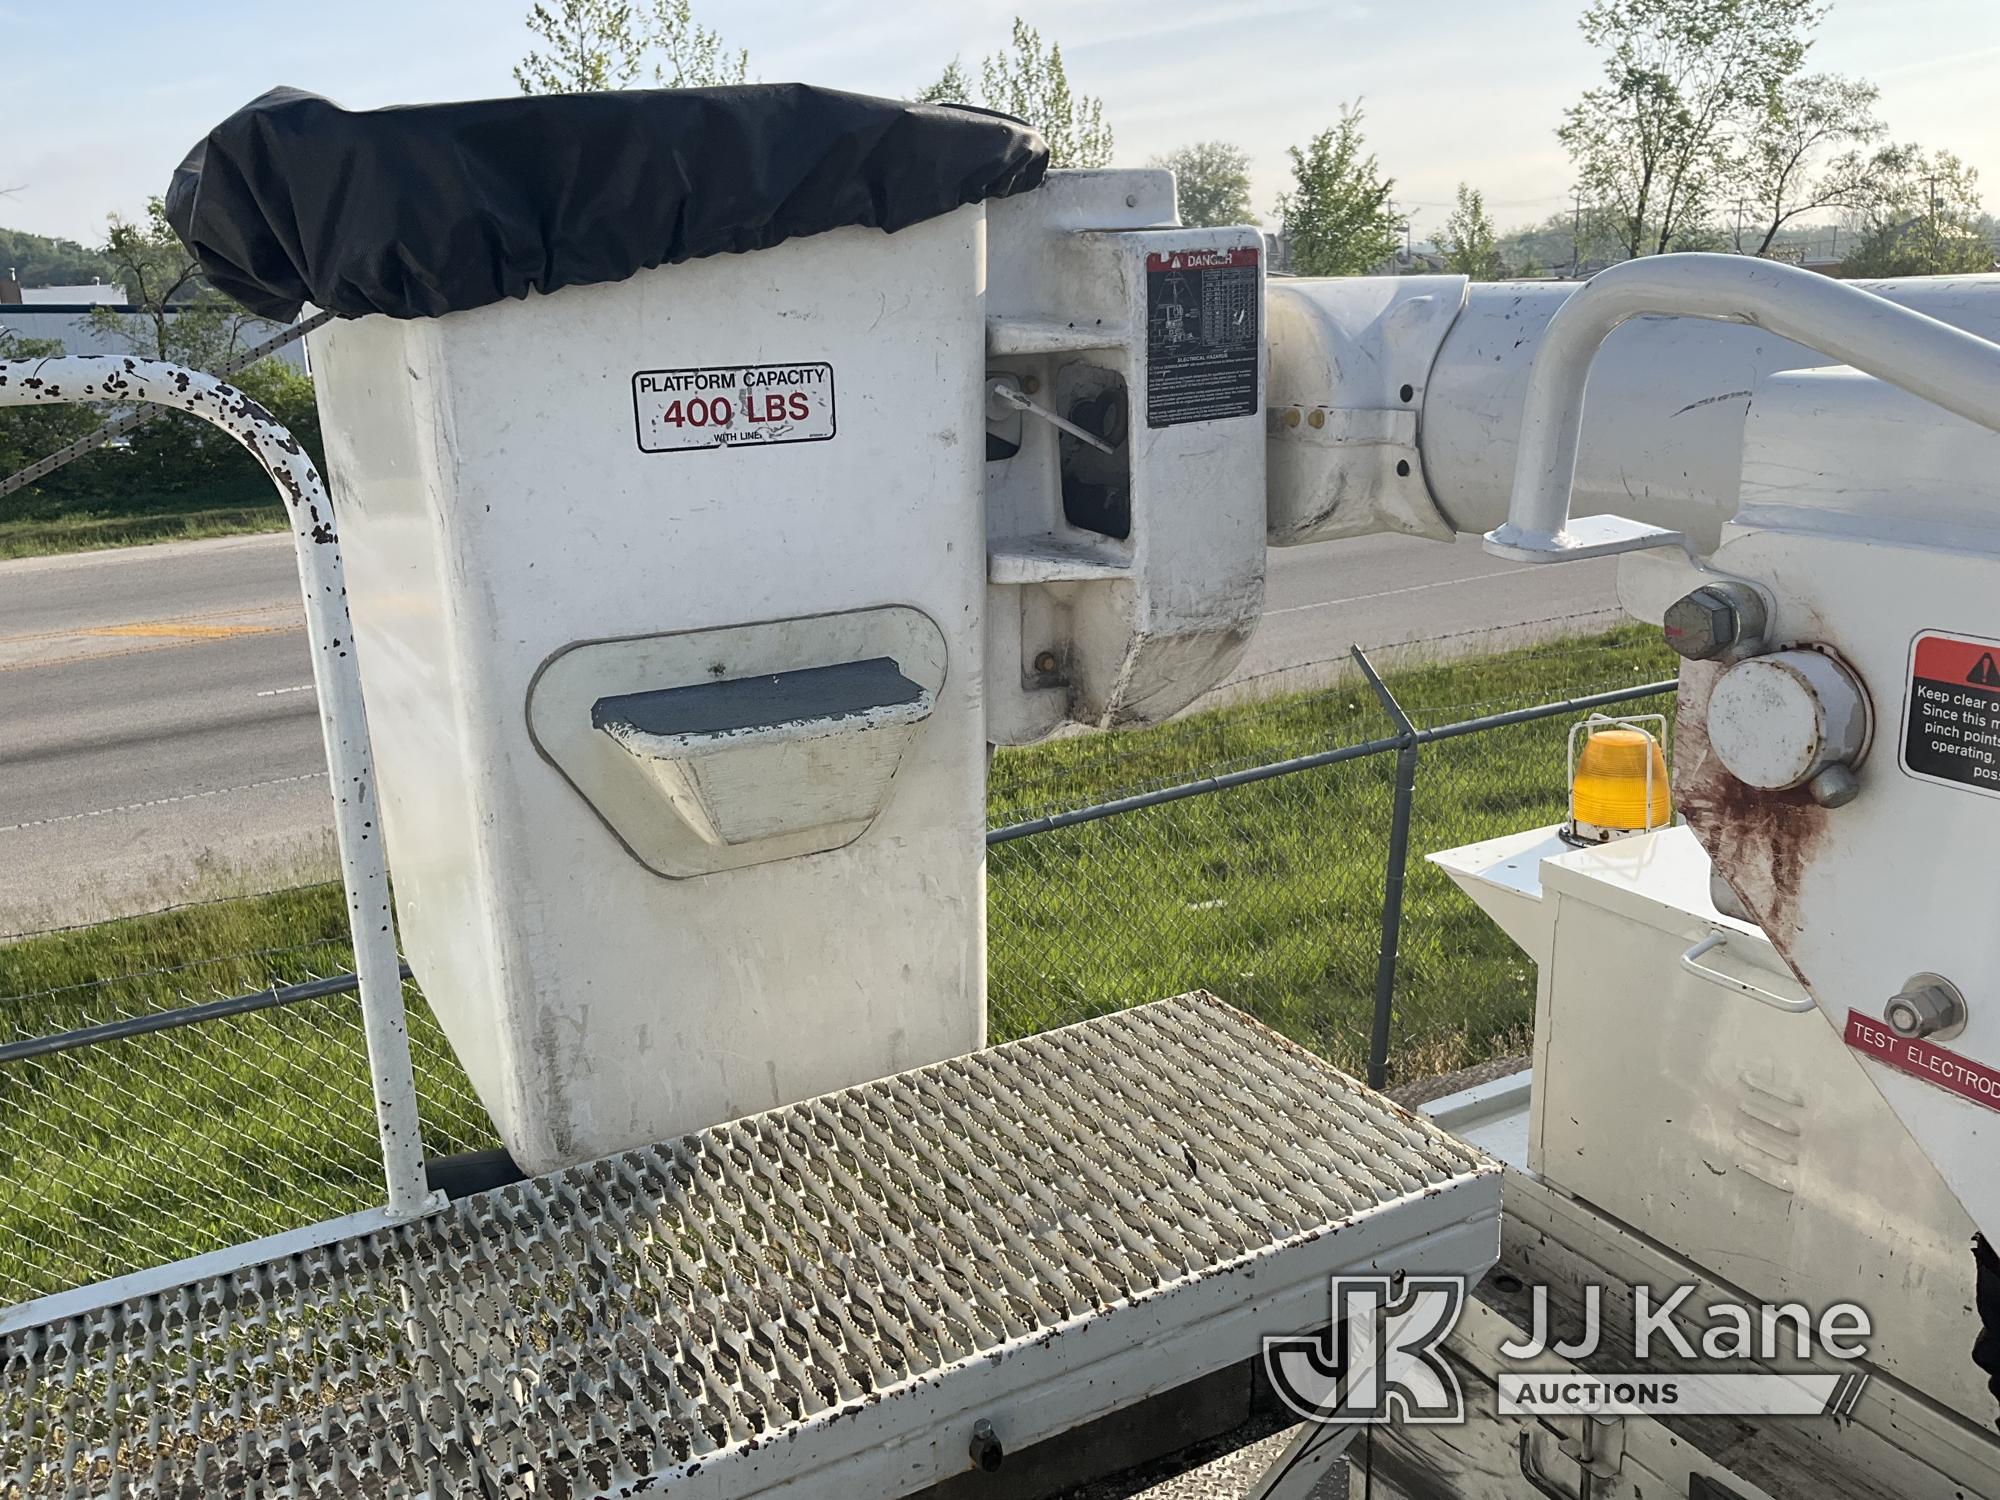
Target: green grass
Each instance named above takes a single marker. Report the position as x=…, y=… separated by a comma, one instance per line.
x=126, y=1154
x=1270, y=894
x=37, y=525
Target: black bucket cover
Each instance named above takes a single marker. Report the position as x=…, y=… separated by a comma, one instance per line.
x=428, y=209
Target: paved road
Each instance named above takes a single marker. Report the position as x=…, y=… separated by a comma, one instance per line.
x=159, y=741
x=1399, y=597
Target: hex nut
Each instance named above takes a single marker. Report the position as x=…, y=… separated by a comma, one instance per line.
x=1701, y=625
x=987, y=1454
x=1925, y=1006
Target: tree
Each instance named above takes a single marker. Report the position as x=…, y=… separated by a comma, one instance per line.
x=1923, y=218
x=177, y=316
x=592, y=46
x=954, y=86
x=1784, y=168
x=690, y=55
x=1469, y=245
x=1654, y=141
x=1031, y=83
x=1214, y=182
x=42, y=260
x=30, y=433
x=610, y=44
x=1572, y=239
x=1338, y=219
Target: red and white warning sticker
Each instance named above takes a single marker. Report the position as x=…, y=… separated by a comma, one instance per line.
x=1937, y=1065
x=1951, y=718
x=729, y=406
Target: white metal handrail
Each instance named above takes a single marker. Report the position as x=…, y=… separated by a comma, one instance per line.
x=364, y=866
x=1956, y=370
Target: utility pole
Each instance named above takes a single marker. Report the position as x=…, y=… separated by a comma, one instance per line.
x=1575, y=230
x=1935, y=248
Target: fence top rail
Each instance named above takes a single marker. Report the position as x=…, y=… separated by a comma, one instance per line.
x=1319, y=758
x=184, y=1015
x=338, y=984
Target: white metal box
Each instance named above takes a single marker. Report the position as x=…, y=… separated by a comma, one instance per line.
x=677, y=711
x=1742, y=1136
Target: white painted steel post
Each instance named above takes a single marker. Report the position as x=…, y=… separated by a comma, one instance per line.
x=343, y=717
x=1957, y=370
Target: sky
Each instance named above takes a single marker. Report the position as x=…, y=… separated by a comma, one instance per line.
x=106, y=98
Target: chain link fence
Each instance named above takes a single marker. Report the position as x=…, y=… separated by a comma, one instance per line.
x=155, y=1106
x=171, y=1112
x=1266, y=882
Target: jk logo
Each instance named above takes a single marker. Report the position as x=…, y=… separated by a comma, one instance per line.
x=1378, y=1360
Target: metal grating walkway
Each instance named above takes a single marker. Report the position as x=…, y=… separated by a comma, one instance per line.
x=822, y=1296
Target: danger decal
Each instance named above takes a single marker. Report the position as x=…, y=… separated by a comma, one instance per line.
x=1935, y=1065
x=1951, y=719
x=732, y=406
x=1203, y=346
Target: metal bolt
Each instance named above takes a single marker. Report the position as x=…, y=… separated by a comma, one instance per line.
x=1706, y=623
x=1927, y=1005
x=1045, y=662
x=1316, y=417
x=1836, y=786
x=1292, y=417
x=1032, y=384
x=985, y=1449
x=1701, y=625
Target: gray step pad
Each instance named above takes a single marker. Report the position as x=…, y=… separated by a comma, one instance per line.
x=820, y=1300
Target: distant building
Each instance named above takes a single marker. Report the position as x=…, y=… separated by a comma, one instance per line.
x=69, y=324
x=96, y=294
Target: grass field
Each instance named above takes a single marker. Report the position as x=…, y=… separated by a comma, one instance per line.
x=121, y=1155
x=34, y=525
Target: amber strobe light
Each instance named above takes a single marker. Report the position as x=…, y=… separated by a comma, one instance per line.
x=1618, y=779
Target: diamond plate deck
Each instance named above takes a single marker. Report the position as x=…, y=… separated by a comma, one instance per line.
x=817, y=1300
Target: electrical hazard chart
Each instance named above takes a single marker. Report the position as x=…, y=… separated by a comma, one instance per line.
x=1951, y=721
x=1203, y=346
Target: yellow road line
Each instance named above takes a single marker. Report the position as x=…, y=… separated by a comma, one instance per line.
x=287, y=616
x=184, y=632
x=88, y=643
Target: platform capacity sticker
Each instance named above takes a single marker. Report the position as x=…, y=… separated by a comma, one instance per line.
x=730, y=406
x=1938, y=1065
x=1951, y=721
